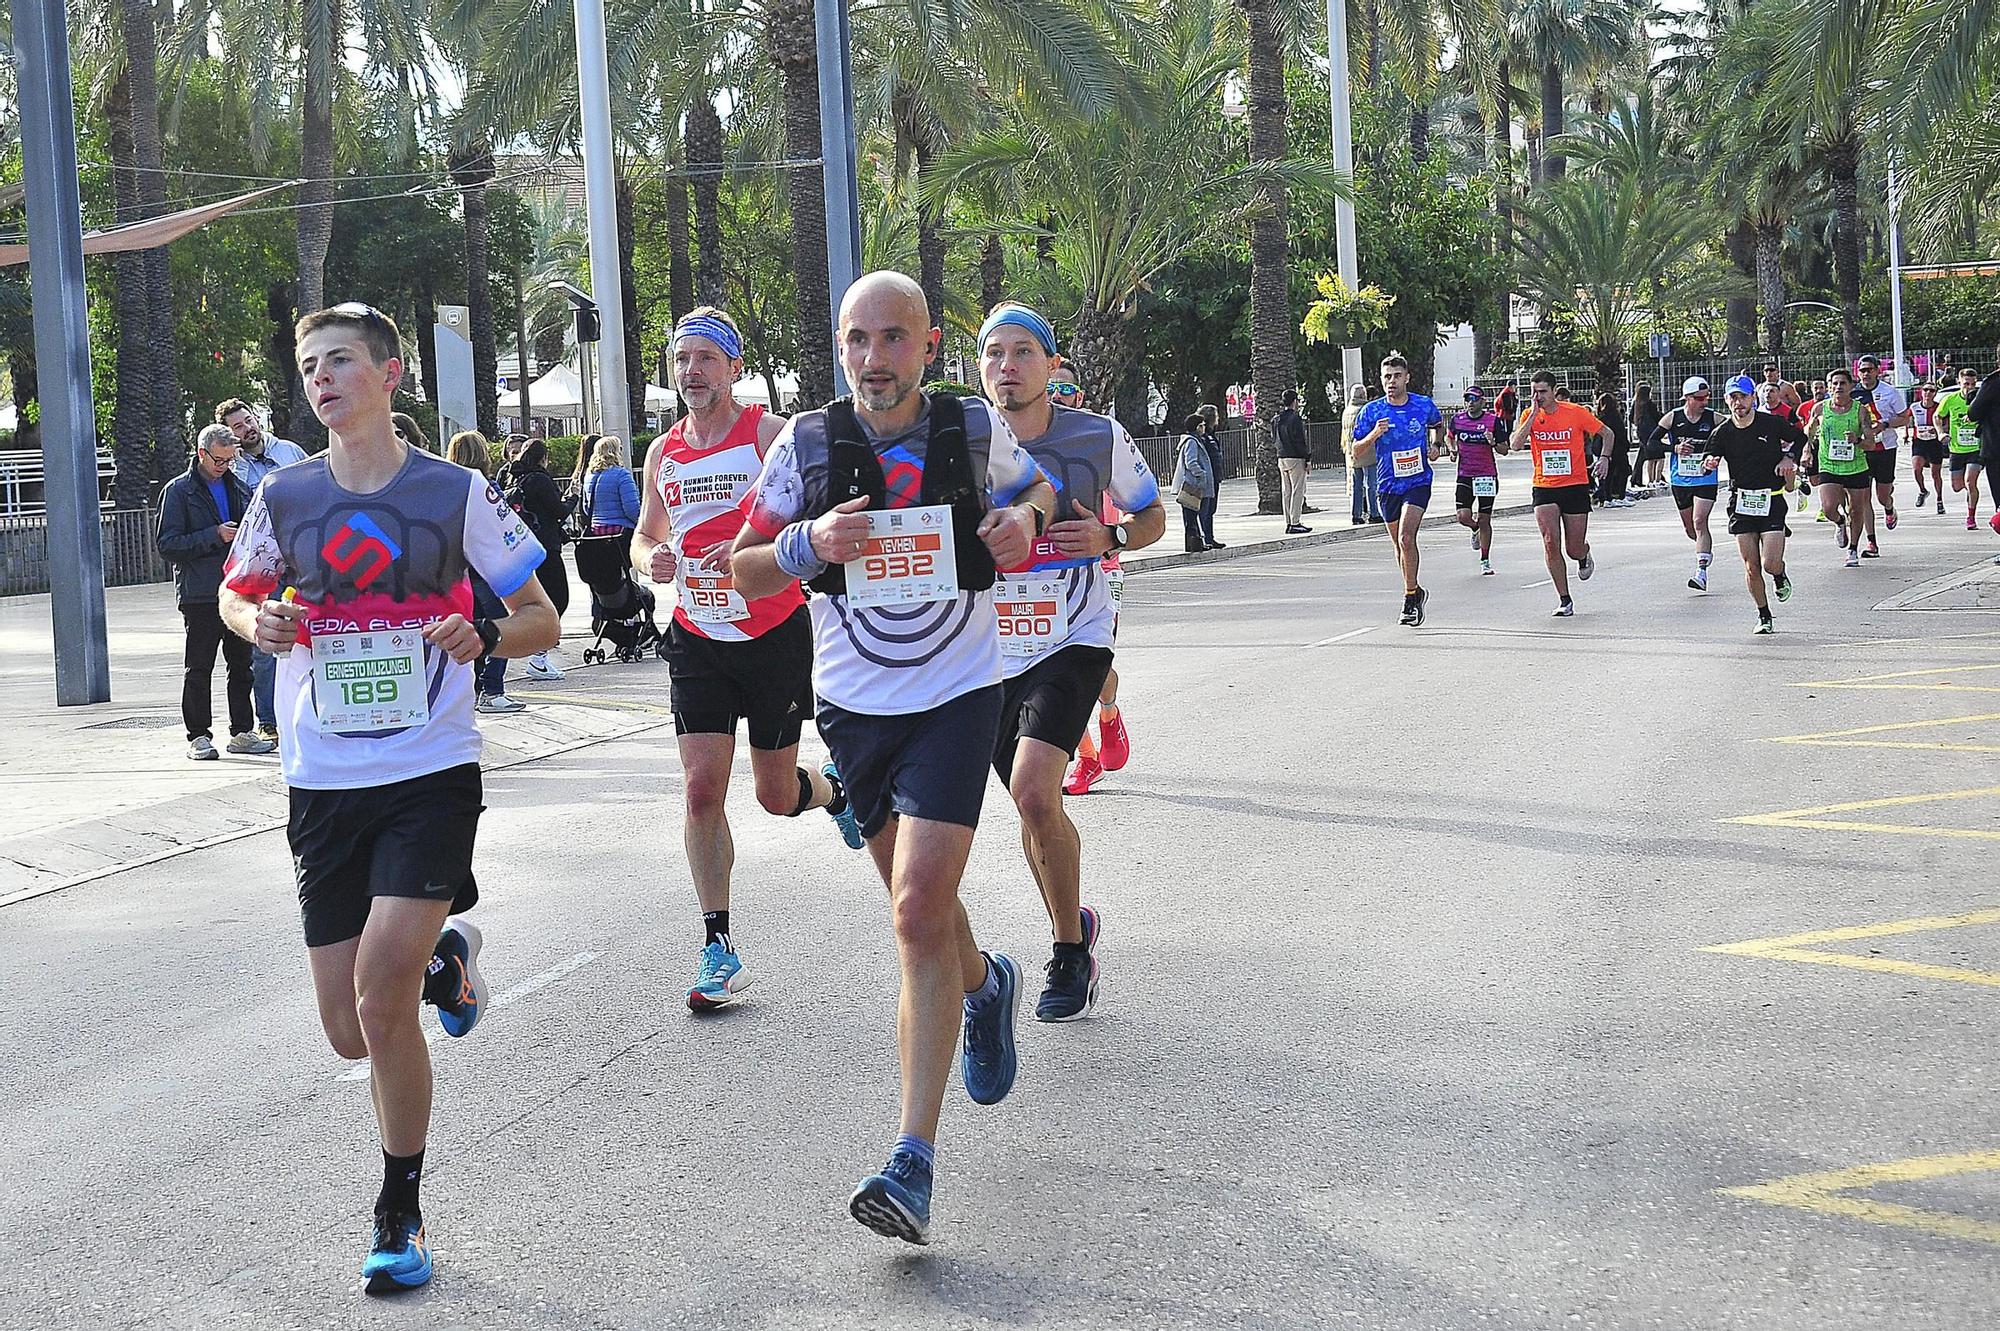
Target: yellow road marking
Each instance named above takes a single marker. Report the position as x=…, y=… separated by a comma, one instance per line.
x=1829, y=1194
x=1813, y=819
x=1875, y=681
x=1805, y=947
x=1843, y=739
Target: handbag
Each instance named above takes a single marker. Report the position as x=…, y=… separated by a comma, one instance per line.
x=1190, y=495
x=577, y=524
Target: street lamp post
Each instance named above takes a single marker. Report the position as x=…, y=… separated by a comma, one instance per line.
x=600, y=191
x=1343, y=160
x=839, y=161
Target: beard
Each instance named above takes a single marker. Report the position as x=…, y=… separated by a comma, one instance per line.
x=886, y=398
x=701, y=398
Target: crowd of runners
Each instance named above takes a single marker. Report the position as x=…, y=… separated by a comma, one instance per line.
x=932, y=580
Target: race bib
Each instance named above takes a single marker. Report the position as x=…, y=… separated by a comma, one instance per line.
x=1691, y=464
x=1557, y=462
x=909, y=558
x=708, y=596
x=1927, y=433
x=1407, y=462
x=1840, y=450
x=1117, y=578
x=1753, y=503
x=369, y=681
x=1033, y=614
x=1485, y=487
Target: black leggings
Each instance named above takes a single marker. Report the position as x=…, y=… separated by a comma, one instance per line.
x=554, y=577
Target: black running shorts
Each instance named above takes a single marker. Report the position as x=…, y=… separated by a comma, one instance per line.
x=409, y=839
x=1858, y=480
x=1930, y=450
x=1050, y=701
x=1745, y=525
x=765, y=681
x=919, y=765
x=1573, y=500
x=1960, y=461
x=1685, y=495
x=1464, y=496
x=1882, y=464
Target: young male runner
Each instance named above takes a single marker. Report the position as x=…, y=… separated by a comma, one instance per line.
x=1892, y=414
x=1762, y=450
x=728, y=658
x=1683, y=432
x=1927, y=446
x=1404, y=428
x=1842, y=430
x=1961, y=434
x=1056, y=625
x=1557, y=435
x=1113, y=748
x=906, y=663
x=1474, y=434
x=351, y=568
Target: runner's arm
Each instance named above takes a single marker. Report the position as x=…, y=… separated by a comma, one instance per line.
x=652, y=549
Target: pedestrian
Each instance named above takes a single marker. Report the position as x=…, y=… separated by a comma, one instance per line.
x=257, y=456
x=534, y=494
x=1212, y=442
x=610, y=497
x=1194, y=482
x=1616, y=447
x=407, y=430
x=1506, y=406
x=1645, y=417
x=1362, y=492
x=200, y=511
x=1294, y=462
x=1984, y=413
x=470, y=450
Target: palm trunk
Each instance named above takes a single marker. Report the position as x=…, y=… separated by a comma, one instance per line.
x=323, y=22
x=992, y=273
x=289, y=409
x=1771, y=284
x=1740, y=312
x=524, y=365
x=1372, y=22
x=131, y=408
x=142, y=77
x=628, y=293
x=1843, y=163
x=931, y=246
x=790, y=35
x=680, y=262
x=1503, y=212
x=1553, y=165
x=472, y=171
x=704, y=151
x=1104, y=346
x=1420, y=133
x=1273, y=367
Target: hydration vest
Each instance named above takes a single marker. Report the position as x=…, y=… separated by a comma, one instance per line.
x=853, y=470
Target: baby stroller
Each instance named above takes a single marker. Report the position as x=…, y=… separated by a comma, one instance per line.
x=621, y=611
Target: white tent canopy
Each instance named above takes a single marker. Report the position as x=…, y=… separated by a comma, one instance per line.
x=559, y=394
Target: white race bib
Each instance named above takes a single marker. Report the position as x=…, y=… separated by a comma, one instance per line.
x=1033, y=614
x=1840, y=450
x=1485, y=487
x=370, y=681
x=909, y=558
x=1556, y=462
x=1753, y=503
x=710, y=597
x=1407, y=462
x=1692, y=464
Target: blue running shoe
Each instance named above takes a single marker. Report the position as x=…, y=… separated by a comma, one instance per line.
x=454, y=983
x=1071, y=991
x=988, y=1063
x=896, y=1203
x=399, y=1258
x=849, y=825
x=722, y=980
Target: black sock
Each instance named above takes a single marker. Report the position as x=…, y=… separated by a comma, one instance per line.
x=838, y=804
x=715, y=925
x=400, y=1174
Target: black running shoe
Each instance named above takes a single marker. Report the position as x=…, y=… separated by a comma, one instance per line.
x=1417, y=608
x=1071, y=991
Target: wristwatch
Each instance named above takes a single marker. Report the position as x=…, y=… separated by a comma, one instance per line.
x=1119, y=536
x=488, y=631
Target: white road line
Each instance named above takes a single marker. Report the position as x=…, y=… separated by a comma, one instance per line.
x=1342, y=637
x=1545, y=582
x=533, y=984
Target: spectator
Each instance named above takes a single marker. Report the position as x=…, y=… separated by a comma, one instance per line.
x=1616, y=444
x=409, y=431
x=1361, y=483
x=1505, y=407
x=257, y=456
x=1294, y=461
x=489, y=673
x=585, y=451
x=1212, y=442
x=199, y=512
x=1194, y=479
x=535, y=496
x=1645, y=415
x=611, y=496
x=1984, y=412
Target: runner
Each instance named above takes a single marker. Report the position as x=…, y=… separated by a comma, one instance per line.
x=1683, y=433
x=1403, y=427
x=1474, y=434
x=907, y=666
x=1056, y=618
x=1556, y=435
x=1842, y=429
x=1762, y=450
x=1892, y=414
x=1962, y=438
x=1927, y=447
x=375, y=632
x=728, y=659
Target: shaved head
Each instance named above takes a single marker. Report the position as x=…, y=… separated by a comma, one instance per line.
x=885, y=344
x=887, y=293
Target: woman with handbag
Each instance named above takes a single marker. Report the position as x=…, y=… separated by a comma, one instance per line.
x=610, y=498
x=1194, y=482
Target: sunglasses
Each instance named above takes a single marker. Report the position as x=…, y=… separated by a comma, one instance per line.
x=1065, y=390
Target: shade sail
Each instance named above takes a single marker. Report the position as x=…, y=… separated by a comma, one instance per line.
x=154, y=231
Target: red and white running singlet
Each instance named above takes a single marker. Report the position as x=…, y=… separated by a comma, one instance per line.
x=703, y=490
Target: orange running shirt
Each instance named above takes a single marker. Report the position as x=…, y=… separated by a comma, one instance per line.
x=1557, y=442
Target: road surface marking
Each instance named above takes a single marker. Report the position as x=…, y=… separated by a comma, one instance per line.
x=1545, y=582
x=1806, y=947
x=591, y=700
x=1830, y=1194
x=1341, y=637
x=533, y=984
x=1929, y=685
x=1845, y=739
x=1812, y=819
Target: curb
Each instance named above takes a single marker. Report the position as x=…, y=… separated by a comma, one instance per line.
x=1286, y=543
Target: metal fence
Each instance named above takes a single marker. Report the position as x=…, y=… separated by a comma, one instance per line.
x=1162, y=451
x=129, y=555
x=1926, y=362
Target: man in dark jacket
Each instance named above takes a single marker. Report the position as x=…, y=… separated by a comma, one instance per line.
x=1294, y=461
x=199, y=510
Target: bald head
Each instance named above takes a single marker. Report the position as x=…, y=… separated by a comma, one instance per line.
x=886, y=293
x=885, y=344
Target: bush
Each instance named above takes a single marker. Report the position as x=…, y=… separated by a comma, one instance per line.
x=947, y=386
x=6, y=438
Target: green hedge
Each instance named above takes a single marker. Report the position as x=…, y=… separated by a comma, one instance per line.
x=562, y=454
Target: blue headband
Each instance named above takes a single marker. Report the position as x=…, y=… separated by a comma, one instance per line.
x=1020, y=316
x=716, y=331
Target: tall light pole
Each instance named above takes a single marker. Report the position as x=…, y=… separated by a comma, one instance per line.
x=838, y=158
x=593, y=81
x=1343, y=160
x=1903, y=377
x=62, y=350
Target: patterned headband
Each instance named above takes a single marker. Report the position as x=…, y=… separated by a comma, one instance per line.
x=1020, y=316
x=716, y=331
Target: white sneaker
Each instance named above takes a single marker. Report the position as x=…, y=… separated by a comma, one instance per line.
x=249, y=743
x=538, y=667
x=1586, y=566
x=202, y=749
x=498, y=702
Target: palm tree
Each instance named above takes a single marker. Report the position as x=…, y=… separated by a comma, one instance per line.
x=471, y=170
x=1943, y=92
x=132, y=406
x=1565, y=39
x=1273, y=364
x=142, y=61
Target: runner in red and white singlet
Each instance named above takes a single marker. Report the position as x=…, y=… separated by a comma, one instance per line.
x=729, y=658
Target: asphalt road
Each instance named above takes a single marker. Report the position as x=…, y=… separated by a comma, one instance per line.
x=1408, y=1017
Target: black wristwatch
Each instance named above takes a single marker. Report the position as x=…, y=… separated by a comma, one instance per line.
x=1119, y=536
x=488, y=631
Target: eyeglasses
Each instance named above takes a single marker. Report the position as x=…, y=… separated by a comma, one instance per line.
x=1065, y=390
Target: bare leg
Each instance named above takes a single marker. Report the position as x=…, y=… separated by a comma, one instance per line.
x=389, y=967
x=1049, y=838
x=1548, y=518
